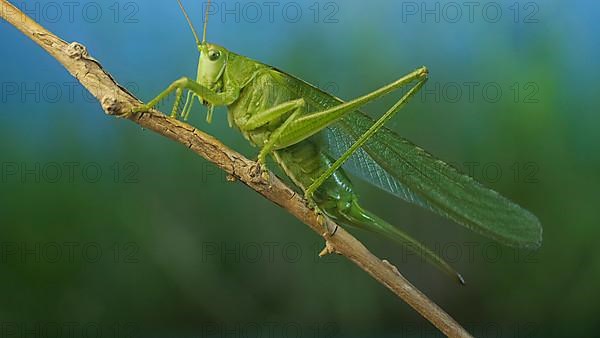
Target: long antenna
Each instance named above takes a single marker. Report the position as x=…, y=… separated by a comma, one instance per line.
x=190, y=23
x=205, y=21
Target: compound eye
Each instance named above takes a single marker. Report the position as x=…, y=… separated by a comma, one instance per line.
x=214, y=55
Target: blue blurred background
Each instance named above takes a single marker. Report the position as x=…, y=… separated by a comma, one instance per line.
x=109, y=228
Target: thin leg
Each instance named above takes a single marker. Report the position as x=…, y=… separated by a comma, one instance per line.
x=268, y=147
x=310, y=124
x=298, y=128
x=187, y=107
x=364, y=137
x=216, y=99
x=263, y=117
x=178, y=95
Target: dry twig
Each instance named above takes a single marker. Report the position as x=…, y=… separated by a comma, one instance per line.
x=116, y=101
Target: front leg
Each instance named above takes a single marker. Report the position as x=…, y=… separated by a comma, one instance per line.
x=208, y=95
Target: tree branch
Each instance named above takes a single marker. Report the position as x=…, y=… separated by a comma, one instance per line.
x=117, y=101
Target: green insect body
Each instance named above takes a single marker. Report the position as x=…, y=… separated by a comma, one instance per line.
x=311, y=134
x=306, y=161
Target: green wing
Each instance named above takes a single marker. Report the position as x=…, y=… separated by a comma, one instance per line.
x=409, y=172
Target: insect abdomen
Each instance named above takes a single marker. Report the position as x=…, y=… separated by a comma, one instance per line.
x=303, y=162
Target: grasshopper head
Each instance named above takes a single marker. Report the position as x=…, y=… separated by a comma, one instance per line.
x=213, y=58
x=211, y=65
